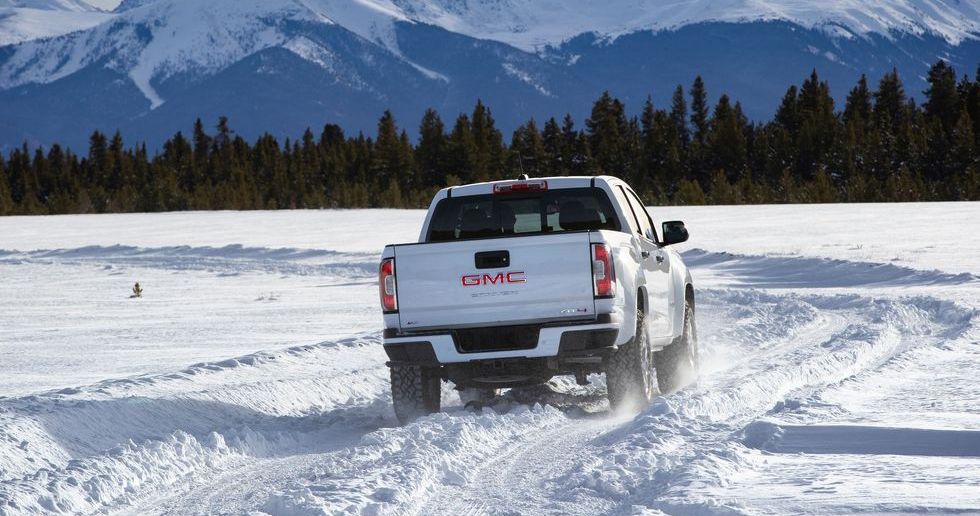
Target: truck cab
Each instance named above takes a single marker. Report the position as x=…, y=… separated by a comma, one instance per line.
x=514, y=282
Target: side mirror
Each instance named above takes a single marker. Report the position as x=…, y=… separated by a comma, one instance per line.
x=674, y=232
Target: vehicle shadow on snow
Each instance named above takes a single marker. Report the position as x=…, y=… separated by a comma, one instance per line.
x=576, y=401
x=862, y=440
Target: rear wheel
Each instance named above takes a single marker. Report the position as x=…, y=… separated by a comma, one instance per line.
x=677, y=364
x=629, y=371
x=415, y=392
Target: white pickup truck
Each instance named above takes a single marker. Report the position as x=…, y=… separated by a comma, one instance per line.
x=514, y=282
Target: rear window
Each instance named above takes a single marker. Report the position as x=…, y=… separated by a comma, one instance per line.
x=551, y=211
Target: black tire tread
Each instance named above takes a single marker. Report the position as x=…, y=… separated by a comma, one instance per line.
x=672, y=370
x=624, y=371
x=415, y=392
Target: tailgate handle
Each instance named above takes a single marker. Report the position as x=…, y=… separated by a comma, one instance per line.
x=492, y=259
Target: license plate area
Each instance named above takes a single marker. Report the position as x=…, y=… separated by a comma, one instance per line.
x=499, y=338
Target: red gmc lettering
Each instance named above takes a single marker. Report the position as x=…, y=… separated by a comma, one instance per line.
x=473, y=280
x=516, y=277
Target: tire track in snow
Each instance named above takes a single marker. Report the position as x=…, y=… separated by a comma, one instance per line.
x=120, y=441
x=692, y=441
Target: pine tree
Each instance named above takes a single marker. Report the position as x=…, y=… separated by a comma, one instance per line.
x=965, y=161
x=889, y=106
x=385, y=164
x=678, y=116
x=787, y=115
x=857, y=110
x=527, y=152
x=943, y=99
x=661, y=159
x=557, y=155
x=488, y=162
x=817, y=127
x=821, y=190
x=462, y=151
x=608, y=136
x=727, y=142
x=722, y=192
x=202, y=146
x=579, y=157
x=699, y=163
x=699, y=111
x=689, y=193
x=6, y=201
x=431, y=151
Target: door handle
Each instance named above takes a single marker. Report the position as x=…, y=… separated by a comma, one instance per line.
x=660, y=258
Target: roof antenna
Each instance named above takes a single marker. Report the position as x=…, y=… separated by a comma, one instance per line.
x=520, y=163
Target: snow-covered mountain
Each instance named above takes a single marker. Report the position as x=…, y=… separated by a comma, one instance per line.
x=153, y=66
x=531, y=25
x=50, y=5
x=25, y=20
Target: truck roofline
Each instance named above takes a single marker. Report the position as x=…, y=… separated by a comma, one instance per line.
x=555, y=182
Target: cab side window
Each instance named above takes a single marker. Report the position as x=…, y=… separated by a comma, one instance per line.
x=643, y=218
x=621, y=198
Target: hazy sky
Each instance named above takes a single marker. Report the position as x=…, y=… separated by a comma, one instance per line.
x=104, y=4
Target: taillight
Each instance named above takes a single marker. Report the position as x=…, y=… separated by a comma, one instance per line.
x=386, y=285
x=603, y=272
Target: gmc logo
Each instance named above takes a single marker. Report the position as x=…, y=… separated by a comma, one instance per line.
x=475, y=280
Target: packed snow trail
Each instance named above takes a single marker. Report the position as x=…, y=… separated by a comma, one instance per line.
x=829, y=385
x=297, y=431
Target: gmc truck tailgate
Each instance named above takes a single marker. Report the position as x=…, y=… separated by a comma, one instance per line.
x=513, y=280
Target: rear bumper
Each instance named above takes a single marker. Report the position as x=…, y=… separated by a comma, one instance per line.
x=567, y=341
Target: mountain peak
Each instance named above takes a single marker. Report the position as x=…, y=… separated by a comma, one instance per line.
x=50, y=5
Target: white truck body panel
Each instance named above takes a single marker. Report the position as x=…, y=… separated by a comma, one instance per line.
x=549, y=278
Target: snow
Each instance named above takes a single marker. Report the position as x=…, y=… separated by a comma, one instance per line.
x=532, y=25
x=51, y=5
x=19, y=24
x=838, y=344
x=155, y=40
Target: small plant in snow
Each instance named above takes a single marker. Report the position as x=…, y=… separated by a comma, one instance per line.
x=137, y=291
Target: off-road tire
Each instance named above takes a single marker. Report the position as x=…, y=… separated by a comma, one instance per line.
x=629, y=371
x=415, y=392
x=677, y=364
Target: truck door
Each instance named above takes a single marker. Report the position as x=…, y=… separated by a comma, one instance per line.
x=656, y=267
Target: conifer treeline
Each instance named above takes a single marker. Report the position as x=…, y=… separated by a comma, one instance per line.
x=881, y=147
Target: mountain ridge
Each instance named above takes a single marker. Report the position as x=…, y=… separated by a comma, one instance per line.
x=177, y=51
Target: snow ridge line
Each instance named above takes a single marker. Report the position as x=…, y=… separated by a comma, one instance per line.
x=299, y=353
x=302, y=389
x=761, y=271
x=229, y=260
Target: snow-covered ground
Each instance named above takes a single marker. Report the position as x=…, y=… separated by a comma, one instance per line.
x=839, y=344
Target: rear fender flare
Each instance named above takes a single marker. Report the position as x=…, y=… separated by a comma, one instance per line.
x=628, y=329
x=680, y=280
